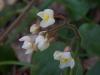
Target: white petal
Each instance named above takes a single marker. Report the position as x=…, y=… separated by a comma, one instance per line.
x=45, y=24
x=43, y=45
x=25, y=38
x=57, y=55
x=33, y=28
x=62, y=66
x=72, y=63
x=42, y=42
x=66, y=55
x=27, y=45
x=50, y=20
x=50, y=12
x=39, y=39
x=29, y=51
x=40, y=14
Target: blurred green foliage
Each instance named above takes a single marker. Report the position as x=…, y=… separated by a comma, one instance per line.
x=77, y=10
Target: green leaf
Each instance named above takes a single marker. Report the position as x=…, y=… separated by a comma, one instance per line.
x=95, y=70
x=6, y=54
x=76, y=8
x=46, y=4
x=45, y=61
x=78, y=70
x=90, y=34
x=65, y=34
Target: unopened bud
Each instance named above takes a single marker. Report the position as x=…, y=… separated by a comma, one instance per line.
x=34, y=28
x=67, y=49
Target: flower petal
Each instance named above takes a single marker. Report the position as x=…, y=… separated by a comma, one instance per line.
x=66, y=55
x=39, y=39
x=43, y=45
x=29, y=51
x=48, y=18
x=40, y=14
x=70, y=64
x=25, y=38
x=27, y=45
x=50, y=12
x=57, y=55
x=34, y=28
x=45, y=24
x=42, y=41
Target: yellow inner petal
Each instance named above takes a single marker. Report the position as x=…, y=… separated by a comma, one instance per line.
x=65, y=60
x=46, y=17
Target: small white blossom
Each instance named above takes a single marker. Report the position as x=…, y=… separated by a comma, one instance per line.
x=48, y=18
x=28, y=44
x=65, y=59
x=34, y=28
x=42, y=41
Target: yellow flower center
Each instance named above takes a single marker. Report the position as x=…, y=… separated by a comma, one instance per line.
x=65, y=60
x=46, y=17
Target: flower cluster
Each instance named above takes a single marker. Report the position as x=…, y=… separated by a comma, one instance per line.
x=39, y=39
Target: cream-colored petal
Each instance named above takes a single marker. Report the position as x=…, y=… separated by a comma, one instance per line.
x=70, y=64
x=45, y=24
x=66, y=55
x=39, y=39
x=50, y=12
x=42, y=46
x=57, y=55
x=48, y=18
x=42, y=41
x=25, y=38
x=29, y=51
x=27, y=45
x=34, y=28
x=41, y=14
x=65, y=59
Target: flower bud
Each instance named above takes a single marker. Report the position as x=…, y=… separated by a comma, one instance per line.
x=34, y=28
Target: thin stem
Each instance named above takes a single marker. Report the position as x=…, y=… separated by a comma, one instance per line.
x=71, y=72
x=15, y=63
x=74, y=28
x=16, y=22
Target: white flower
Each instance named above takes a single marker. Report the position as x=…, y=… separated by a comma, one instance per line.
x=34, y=28
x=42, y=41
x=28, y=44
x=65, y=59
x=48, y=18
